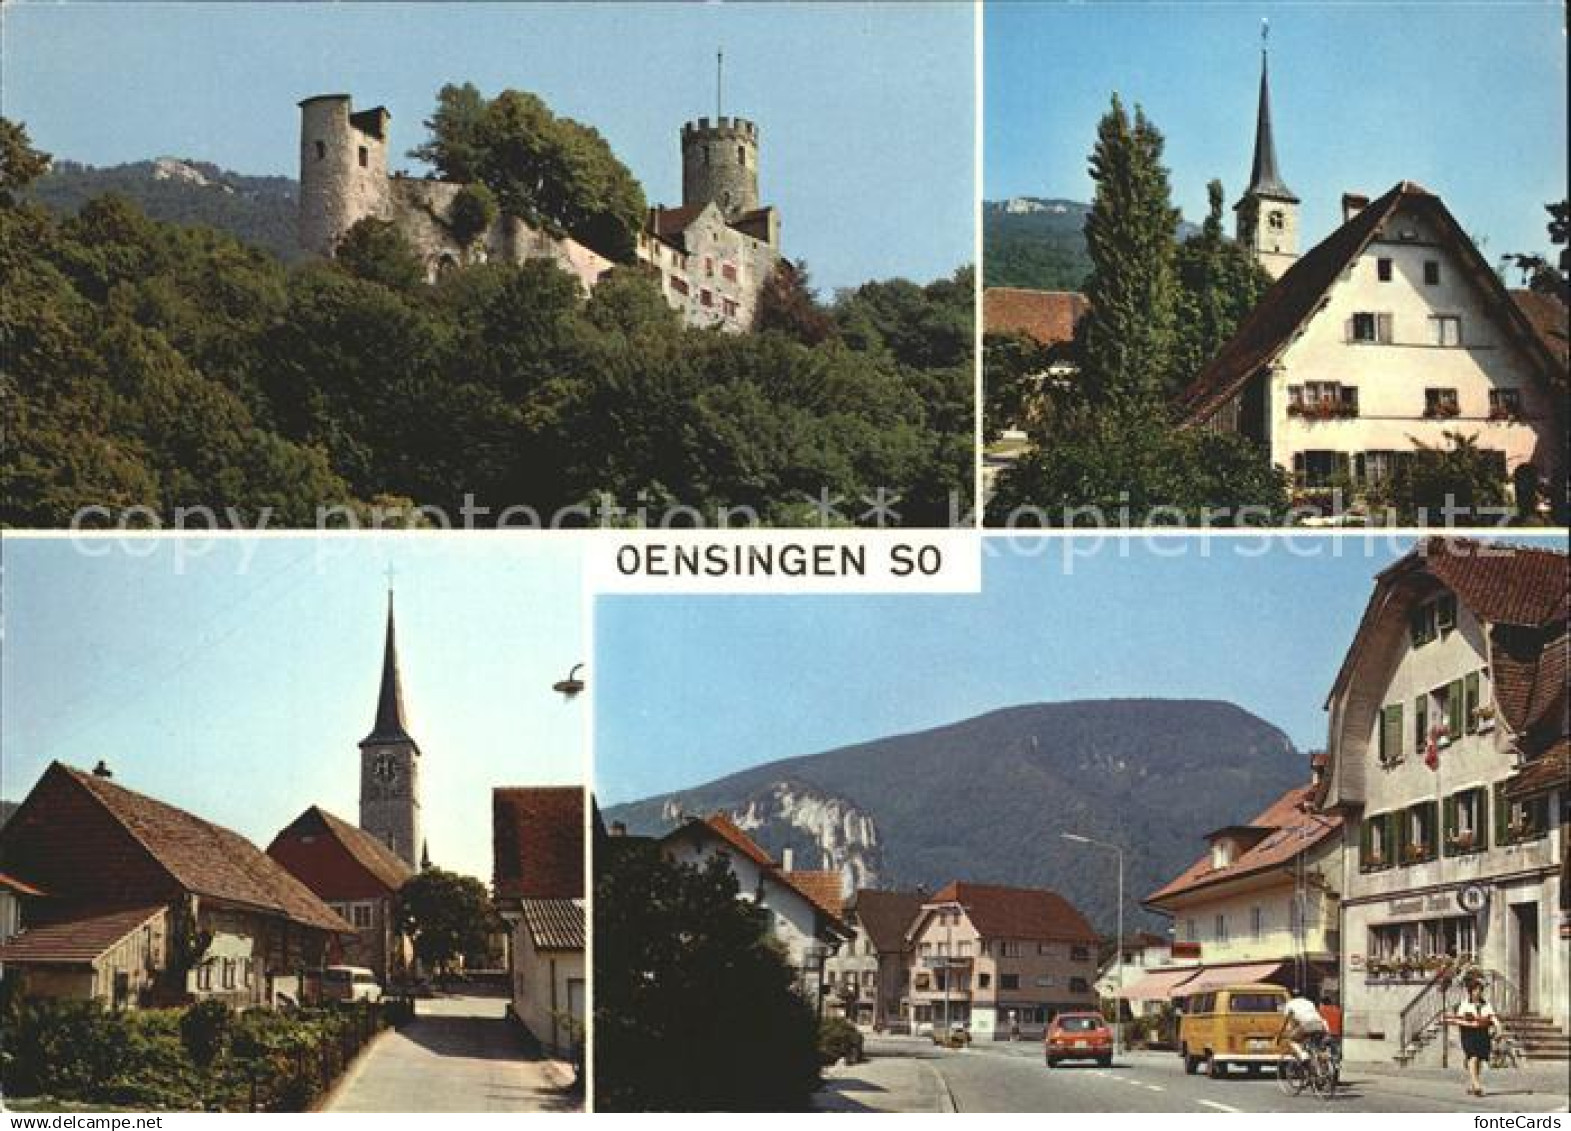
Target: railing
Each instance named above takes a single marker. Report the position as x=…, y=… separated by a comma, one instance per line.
x=1427, y=1007
x=1502, y=993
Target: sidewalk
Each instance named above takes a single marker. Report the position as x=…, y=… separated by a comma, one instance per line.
x=886, y=1084
x=1544, y=1083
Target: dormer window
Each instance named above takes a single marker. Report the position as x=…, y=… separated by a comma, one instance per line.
x=1432, y=619
x=1222, y=853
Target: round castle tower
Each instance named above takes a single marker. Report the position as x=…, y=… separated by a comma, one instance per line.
x=343, y=169
x=720, y=164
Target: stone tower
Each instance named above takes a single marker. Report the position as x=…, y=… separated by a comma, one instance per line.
x=343, y=169
x=390, y=765
x=1268, y=210
x=720, y=164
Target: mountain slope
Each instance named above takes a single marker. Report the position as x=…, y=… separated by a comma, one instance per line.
x=1029, y=242
x=986, y=799
x=261, y=211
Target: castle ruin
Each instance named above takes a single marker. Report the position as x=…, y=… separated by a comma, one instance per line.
x=711, y=256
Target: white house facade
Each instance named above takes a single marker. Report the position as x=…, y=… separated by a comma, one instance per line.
x=1448, y=763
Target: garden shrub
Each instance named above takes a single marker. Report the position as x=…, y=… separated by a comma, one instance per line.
x=838, y=1038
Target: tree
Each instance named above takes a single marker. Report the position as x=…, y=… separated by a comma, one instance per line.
x=1122, y=467
x=375, y=250
x=695, y=1008
x=1537, y=272
x=1457, y=484
x=1220, y=282
x=473, y=211
x=20, y=163
x=1127, y=336
x=447, y=915
x=551, y=172
x=786, y=306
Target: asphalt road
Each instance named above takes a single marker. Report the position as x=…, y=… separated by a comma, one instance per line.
x=1004, y=1077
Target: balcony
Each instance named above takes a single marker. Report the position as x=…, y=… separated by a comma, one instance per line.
x=947, y=961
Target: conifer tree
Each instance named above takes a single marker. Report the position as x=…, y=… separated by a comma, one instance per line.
x=1219, y=282
x=1128, y=335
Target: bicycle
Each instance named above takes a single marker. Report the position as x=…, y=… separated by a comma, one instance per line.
x=1505, y=1052
x=1319, y=1072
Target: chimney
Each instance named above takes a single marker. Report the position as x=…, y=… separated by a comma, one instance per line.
x=618, y=828
x=787, y=858
x=1352, y=204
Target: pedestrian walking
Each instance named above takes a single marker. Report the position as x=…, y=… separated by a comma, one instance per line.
x=1477, y=1022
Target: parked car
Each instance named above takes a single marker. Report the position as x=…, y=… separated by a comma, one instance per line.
x=1078, y=1036
x=1232, y=1025
x=350, y=983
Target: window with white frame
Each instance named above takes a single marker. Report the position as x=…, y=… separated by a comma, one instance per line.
x=1445, y=330
x=1370, y=327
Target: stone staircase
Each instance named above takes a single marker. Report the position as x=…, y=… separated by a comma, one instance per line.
x=1540, y=1039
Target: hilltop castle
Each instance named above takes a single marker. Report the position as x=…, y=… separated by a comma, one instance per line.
x=711, y=256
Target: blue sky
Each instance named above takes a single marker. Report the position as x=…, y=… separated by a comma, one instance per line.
x=865, y=111
x=239, y=688
x=1468, y=100
x=691, y=689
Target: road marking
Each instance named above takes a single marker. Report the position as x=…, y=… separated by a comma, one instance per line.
x=1155, y=1088
x=1221, y=1107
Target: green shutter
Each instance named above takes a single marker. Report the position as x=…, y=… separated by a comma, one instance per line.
x=1470, y=687
x=1364, y=837
x=1501, y=813
x=1391, y=733
x=1454, y=713
x=1448, y=831
x=1420, y=723
x=1481, y=829
x=1430, y=821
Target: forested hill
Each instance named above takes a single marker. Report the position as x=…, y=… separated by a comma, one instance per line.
x=260, y=211
x=987, y=799
x=168, y=366
x=1039, y=243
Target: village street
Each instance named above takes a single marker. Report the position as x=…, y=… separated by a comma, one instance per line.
x=911, y=1074
x=459, y=1054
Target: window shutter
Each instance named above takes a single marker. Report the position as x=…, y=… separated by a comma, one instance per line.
x=1364, y=837
x=1481, y=818
x=1500, y=813
x=1454, y=714
x=1383, y=327
x=1448, y=833
x=1470, y=685
x=1420, y=723
x=1429, y=818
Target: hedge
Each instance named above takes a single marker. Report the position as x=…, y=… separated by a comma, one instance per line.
x=199, y=1058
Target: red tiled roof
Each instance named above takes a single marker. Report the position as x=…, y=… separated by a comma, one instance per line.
x=887, y=915
x=670, y=223
x=826, y=889
x=1502, y=584
x=359, y=866
x=1548, y=772
x=1529, y=669
x=555, y=924
x=814, y=890
x=16, y=886
x=1017, y=913
x=732, y=834
x=1047, y=317
x=1294, y=298
x=538, y=842
x=76, y=938
x=1548, y=317
x=1294, y=830
x=208, y=859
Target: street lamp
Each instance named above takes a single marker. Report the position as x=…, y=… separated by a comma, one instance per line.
x=1118, y=1009
x=570, y=687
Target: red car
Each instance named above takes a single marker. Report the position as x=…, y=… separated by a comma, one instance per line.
x=1078, y=1036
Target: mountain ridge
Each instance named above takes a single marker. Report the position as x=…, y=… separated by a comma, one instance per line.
x=984, y=798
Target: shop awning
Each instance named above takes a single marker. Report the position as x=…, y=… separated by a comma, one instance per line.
x=1159, y=985
x=1240, y=974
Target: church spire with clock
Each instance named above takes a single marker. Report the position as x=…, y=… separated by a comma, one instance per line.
x=1268, y=210
x=390, y=764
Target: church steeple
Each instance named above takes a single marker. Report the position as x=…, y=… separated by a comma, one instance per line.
x=389, y=725
x=1268, y=210
x=390, y=763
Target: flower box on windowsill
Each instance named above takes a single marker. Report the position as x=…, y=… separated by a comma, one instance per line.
x=1415, y=853
x=1462, y=843
x=1443, y=412
x=1504, y=415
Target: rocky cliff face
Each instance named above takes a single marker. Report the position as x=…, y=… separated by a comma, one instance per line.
x=818, y=829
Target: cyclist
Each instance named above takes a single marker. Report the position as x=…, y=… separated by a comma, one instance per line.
x=1301, y=1025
